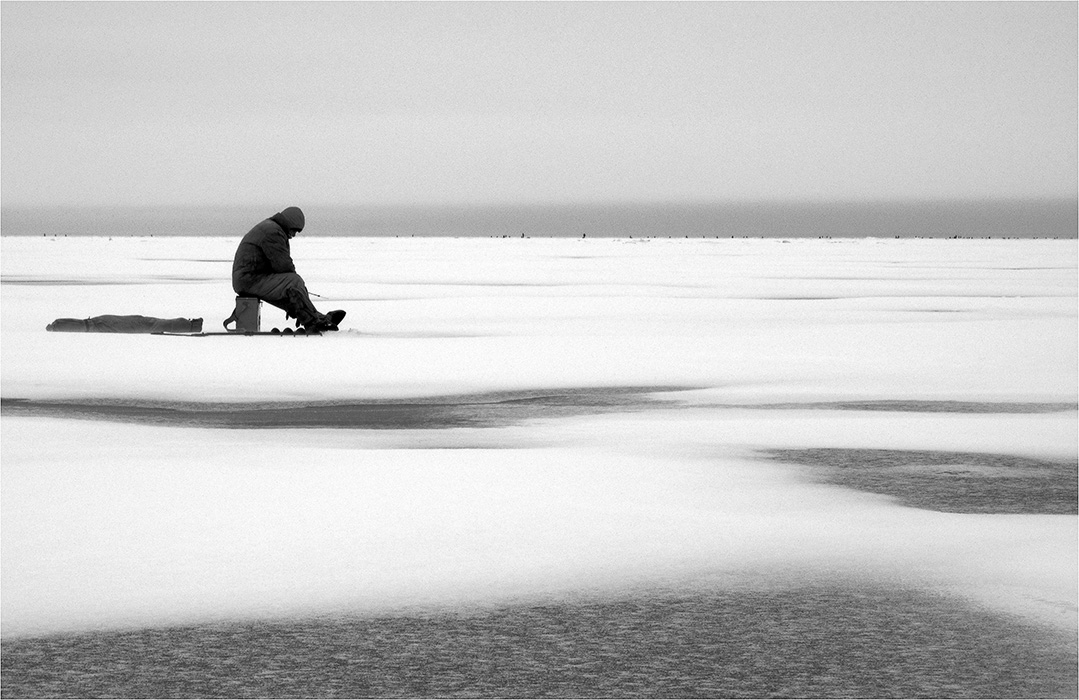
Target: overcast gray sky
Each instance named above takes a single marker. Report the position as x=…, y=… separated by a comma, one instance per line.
x=392, y=102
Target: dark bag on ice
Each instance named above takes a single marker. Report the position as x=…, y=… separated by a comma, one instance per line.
x=126, y=324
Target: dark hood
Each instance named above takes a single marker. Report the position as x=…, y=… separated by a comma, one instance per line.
x=290, y=218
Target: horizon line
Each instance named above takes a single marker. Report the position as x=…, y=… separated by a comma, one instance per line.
x=552, y=204
x=1026, y=217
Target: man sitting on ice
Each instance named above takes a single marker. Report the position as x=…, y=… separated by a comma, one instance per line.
x=263, y=268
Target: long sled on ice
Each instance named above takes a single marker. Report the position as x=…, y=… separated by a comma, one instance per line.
x=288, y=332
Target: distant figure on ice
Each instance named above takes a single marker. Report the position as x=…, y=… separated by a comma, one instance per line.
x=263, y=268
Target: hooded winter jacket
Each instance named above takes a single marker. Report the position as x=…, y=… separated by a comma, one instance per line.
x=265, y=249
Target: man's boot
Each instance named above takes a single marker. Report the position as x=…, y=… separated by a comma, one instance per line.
x=331, y=320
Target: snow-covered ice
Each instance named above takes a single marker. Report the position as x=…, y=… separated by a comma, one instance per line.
x=109, y=524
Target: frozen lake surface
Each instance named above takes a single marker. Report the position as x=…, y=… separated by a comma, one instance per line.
x=510, y=423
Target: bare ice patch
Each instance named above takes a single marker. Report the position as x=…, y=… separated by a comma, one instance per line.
x=491, y=409
x=950, y=482
x=494, y=409
x=812, y=641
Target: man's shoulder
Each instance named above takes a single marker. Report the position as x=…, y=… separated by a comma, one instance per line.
x=263, y=230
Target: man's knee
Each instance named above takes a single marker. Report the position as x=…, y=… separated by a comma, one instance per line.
x=275, y=287
x=291, y=280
